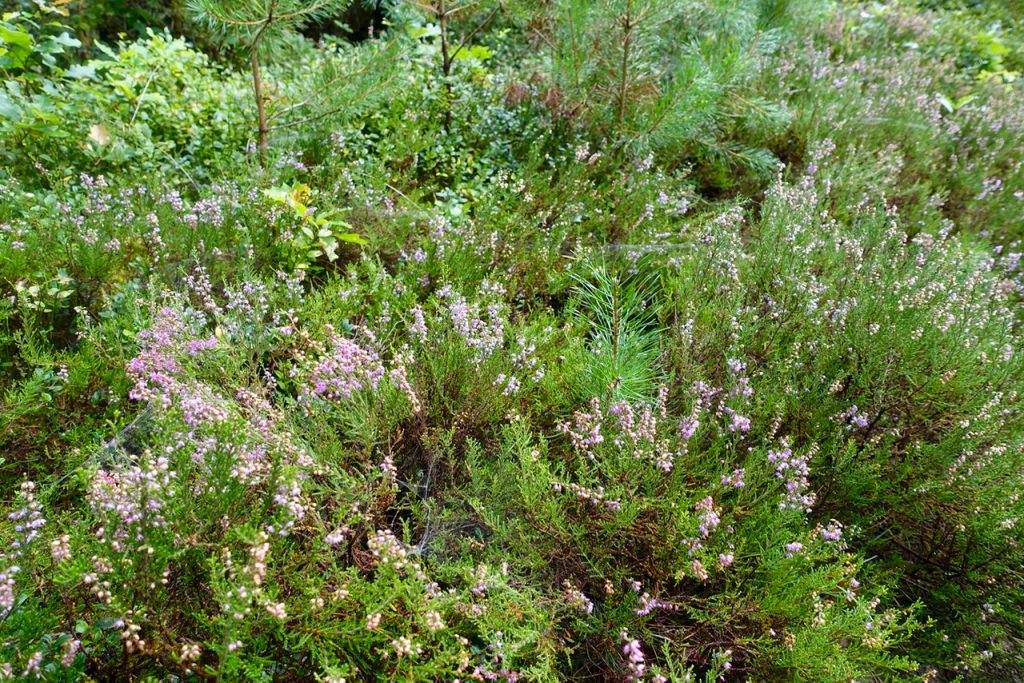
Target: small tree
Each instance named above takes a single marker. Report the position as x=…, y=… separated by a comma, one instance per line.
x=668, y=75
x=257, y=23
x=443, y=12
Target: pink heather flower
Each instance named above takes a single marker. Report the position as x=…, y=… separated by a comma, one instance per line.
x=418, y=329
x=32, y=666
x=793, y=470
x=434, y=621
x=60, y=548
x=648, y=604
x=158, y=374
x=336, y=536
x=387, y=466
x=832, y=533
x=635, y=660
x=578, y=600
x=28, y=518
x=853, y=418
x=688, y=427
x=735, y=480
x=400, y=379
x=71, y=648
x=482, y=333
x=708, y=519
x=585, y=434
x=190, y=652
x=595, y=497
x=347, y=367
x=793, y=548
x=7, y=593
x=197, y=346
x=738, y=423
x=404, y=646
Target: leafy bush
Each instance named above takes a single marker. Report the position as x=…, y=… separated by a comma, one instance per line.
x=156, y=105
x=622, y=340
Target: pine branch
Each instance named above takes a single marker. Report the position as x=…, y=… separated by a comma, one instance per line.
x=624, y=329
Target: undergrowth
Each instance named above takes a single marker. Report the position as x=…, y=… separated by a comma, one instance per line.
x=621, y=340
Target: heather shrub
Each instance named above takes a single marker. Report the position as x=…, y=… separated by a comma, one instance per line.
x=630, y=341
x=942, y=141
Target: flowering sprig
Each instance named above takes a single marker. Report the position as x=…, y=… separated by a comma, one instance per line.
x=793, y=470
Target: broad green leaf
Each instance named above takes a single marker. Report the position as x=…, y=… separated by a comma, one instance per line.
x=428, y=31
x=107, y=623
x=278, y=193
x=9, y=109
x=475, y=53
x=66, y=40
x=81, y=71
x=965, y=100
x=19, y=45
x=13, y=37
x=352, y=237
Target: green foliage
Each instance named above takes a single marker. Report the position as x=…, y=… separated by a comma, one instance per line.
x=256, y=24
x=621, y=340
x=156, y=105
x=318, y=231
x=673, y=78
x=621, y=357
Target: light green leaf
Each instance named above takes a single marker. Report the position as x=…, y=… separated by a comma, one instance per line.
x=476, y=53
x=351, y=237
x=66, y=40
x=9, y=109
x=19, y=45
x=81, y=71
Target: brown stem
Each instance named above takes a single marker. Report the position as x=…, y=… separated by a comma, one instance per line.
x=627, y=29
x=261, y=114
x=446, y=65
x=262, y=128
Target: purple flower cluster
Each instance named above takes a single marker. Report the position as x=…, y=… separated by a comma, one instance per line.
x=482, y=331
x=852, y=418
x=585, y=432
x=133, y=500
x=736, y=479
x=345, y=368
x=577, y=599
x=707, y=518
x=632, y=429
x=28, y=520
x=648, y=604
x=635, y=660
x=793, y=470
x=155, y=368
x=713, y=400
x=832, y=532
